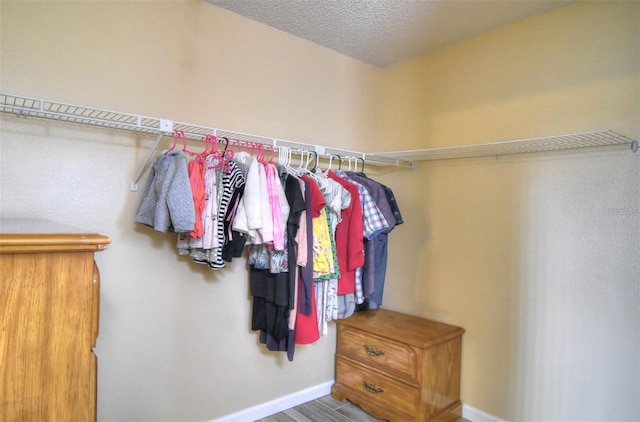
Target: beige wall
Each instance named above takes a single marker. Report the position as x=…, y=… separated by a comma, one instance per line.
x=536, y=257
x=553, y=74
x=525, y=253
x=175, y=342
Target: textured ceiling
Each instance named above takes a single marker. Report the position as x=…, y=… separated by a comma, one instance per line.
x=385, y=32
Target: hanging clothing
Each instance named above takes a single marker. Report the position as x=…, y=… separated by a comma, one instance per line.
x=317, y=243
x=209, y=238
x=374, y=223
x=349, y=238
x=375, y=249
x=249, y=214
x=222, y=180
x=296, y=202
x=307, y=319
x=337, y=199
x=196, y=179
x=279, y=206
x=167, y=201
x=232, y=180
x=296, y=208
x=198, y=248
x=307, y=325
x=270, y=313
x=235, y=242
x=393, y=204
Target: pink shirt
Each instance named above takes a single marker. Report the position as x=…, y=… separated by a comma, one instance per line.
x=274, y=203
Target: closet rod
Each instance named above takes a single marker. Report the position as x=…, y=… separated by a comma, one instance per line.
x=73, y=113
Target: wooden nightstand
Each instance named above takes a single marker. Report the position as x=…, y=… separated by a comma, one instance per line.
x=398, y=367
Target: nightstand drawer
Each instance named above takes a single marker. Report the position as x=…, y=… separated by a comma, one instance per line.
x=382, y=389
x=381, y=353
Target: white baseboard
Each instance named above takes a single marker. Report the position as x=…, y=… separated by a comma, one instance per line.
x=278, y=405
x=477, y=415
x=287, y=402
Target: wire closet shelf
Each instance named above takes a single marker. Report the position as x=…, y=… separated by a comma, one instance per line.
x=603, y=138
x=72, y=113
x=47, y=109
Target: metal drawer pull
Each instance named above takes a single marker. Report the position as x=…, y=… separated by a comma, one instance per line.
x=372, y=388
x=373, y=350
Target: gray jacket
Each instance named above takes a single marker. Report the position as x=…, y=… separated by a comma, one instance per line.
x=167, y=200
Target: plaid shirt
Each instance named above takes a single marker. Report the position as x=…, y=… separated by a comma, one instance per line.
x=374, y=224
x=374, y=221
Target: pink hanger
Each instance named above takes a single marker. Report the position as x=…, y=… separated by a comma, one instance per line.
x=260, y=149
x=184, y=145
x=177, y=134
x=207, y=140
x=212, y=142
x=270, y=148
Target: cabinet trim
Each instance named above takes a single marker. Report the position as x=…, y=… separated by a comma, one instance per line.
x=29, y=243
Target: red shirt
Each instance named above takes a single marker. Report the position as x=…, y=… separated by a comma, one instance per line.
x=349, y=239
x=317, y=199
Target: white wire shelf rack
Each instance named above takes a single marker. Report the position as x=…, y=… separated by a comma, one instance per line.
x=77, y=114
x=603, y=138
x=64, y=112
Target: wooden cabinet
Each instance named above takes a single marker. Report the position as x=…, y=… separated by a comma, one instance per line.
x=398, y=367
x=49, y=308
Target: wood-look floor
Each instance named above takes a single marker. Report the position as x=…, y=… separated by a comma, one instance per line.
x=324, y=409
x=327, y=409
